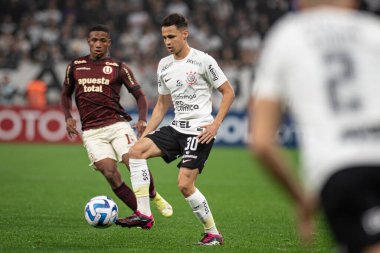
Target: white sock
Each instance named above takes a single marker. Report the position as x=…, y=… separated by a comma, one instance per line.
x=140, y=180
x=202, y=211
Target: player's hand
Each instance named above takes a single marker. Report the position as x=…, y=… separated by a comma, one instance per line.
x=71, y=127
x=305, y=219
x=209, y=132
x=140, y=127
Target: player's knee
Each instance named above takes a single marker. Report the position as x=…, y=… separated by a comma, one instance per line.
x=135, y=153
x=114, y=179
x=110, y=173
x=185, y=188
x=125, y=159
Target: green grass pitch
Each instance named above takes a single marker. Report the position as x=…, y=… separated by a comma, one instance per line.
x=44, y=189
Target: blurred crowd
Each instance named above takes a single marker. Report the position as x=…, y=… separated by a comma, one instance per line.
x=49, y=33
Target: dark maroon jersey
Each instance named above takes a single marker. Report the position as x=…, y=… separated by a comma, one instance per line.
x=96, y=85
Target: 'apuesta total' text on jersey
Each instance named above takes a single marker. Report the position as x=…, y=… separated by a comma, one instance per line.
x=97, y=87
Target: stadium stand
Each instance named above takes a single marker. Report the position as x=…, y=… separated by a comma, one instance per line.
x=38, y=38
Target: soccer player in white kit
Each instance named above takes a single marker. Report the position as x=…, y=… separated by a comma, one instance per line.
x=323, y=64
x=185, y=80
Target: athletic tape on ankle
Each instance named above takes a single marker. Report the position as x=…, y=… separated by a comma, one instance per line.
x=141, y=191
x=198, y=203
x=209, y=223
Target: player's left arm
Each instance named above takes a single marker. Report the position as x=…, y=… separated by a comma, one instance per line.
x=66, y=101
x=263, y=127
x=269, y=95
x=142, y=106
x=211, y=130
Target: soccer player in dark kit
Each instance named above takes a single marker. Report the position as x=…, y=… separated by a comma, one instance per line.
x=96, y=81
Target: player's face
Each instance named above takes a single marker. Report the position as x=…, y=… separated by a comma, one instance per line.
x=174, y=39
x=99, y=42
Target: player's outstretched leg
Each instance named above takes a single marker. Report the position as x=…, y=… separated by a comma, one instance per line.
x=162, y=205
x=140, y=179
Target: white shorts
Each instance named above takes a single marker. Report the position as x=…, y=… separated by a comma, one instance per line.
x=111, y=141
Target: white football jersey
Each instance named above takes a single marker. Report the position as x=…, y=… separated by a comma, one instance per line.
x=325, y=65
x=190, y=82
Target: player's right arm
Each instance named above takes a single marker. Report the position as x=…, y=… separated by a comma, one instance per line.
x=66, y=101
x=135, y=89
x=164, y=101
x=158, y=114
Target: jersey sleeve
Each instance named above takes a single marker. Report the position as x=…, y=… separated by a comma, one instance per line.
x=162, y=89
x=69, y=79
x=271, y=70
x=67, y=91
x=128, y=78
x=213, y=73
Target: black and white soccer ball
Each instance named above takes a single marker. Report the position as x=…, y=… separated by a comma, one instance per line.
x=101, y=212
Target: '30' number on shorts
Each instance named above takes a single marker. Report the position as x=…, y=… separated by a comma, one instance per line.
x=192, y=143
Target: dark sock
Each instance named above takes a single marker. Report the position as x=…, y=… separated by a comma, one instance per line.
x=152, y=188
x=125, y=194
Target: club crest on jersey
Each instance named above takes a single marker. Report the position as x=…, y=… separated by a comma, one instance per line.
x=191, y=77
x=107, y=69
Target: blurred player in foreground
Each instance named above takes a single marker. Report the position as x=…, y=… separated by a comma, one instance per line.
x=96, y=80
x=323, y=63
x=185, y=79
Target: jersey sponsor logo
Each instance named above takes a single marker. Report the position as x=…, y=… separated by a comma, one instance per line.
x=166, y=66
x=111, y=64
x=186, y=160
x=181, y=123
x=189, y=156
x=179, y=83
x=129, y=76
x=107, y=70
x=194, y=62
x=180, y=106
x=165, y=79
x=191, y=77
x=68, y=75
x=83, y=68
x=364, y=133
x=213, y=73
x=83, y=81
x=93, y=88
x=80, y=62
x=184, y=96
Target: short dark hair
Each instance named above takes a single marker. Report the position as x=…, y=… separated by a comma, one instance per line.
x=175, y=19
x=99, y=28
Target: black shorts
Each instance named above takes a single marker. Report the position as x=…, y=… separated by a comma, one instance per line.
x=174, y=144
x=351, y=202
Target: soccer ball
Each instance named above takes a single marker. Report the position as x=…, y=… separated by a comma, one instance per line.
x=101, y=212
